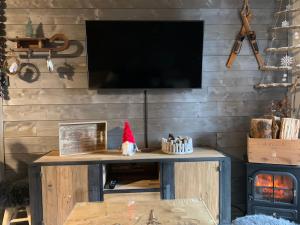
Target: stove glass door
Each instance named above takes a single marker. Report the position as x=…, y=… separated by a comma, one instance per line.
x=274, y=188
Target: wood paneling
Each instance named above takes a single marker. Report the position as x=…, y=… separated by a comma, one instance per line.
x=30, y=144
x=113, y=4
x=77, y=31
x=72, y=183
x=224, y=105
x=78, y=16
x=18, y=163
x=171, y=4
x=73, y=112
x=239, y=93
x=200, y=124
x=2, y=149
x=50, y=80
x=50, y=128
x=199, y=180
x=68, y=96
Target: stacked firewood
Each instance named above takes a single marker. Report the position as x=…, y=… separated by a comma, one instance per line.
x=284, y=128
x=279, y=125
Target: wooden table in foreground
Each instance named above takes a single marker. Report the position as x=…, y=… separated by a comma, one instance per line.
x=165, y=212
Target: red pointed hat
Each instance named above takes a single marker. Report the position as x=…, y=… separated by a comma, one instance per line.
x=127, y=133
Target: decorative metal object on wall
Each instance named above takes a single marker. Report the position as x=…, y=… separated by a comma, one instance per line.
x=4, y=82
x=56, y=43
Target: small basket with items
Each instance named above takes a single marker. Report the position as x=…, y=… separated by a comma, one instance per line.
x=178, y=145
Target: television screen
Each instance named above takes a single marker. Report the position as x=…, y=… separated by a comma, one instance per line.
x=144, y=54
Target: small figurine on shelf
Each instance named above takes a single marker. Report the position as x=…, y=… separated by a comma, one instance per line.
x=50, y=64
x=129, y=146
x=29, y=28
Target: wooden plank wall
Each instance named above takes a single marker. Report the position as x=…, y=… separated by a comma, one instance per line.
x=216, y=115
x=294, y=40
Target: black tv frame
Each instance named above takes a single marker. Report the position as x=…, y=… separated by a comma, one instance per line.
x=142, y=89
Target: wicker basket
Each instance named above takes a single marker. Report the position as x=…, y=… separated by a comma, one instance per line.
x=177, y=146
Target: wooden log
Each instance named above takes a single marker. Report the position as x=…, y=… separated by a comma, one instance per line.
x=273, y=85
x=282, y=49
x=289, y=128
x=275, y=125
x=275, y=128
x=261, y=128
x=276, y=68
x=285, y=28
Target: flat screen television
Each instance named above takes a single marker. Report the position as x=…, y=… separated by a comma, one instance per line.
x=144, y=54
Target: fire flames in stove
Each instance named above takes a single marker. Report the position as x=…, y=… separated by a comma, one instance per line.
x=278, y=188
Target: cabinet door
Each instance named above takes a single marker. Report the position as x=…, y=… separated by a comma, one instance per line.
x=199, y=180
x=62, y=188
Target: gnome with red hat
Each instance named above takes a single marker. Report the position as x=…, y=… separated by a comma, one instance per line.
x=129, y=146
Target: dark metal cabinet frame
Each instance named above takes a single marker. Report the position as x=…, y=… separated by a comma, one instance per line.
x=95, y=183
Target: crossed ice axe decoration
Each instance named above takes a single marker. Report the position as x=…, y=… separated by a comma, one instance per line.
x=245, y=31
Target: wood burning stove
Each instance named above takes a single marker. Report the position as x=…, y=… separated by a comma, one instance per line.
x=273, y=190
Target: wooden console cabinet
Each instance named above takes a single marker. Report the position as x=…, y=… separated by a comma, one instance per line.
x=58, y=183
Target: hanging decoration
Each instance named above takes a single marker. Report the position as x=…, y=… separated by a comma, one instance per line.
x=288, y=63
x=285, y=23
x=286, y=60
x=29, y=28
x=4, y=81
x=245, y=31
x=12, y=64
x=50, y=64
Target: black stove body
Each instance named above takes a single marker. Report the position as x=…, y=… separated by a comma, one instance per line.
x=273, y=190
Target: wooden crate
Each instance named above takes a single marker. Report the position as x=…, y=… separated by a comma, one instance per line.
x=273, y=151
x=83, y=137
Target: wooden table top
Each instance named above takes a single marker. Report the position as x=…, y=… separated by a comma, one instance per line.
x=114, y=155
x=166, y=212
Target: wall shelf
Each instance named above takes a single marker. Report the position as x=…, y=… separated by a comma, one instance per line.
x=56, y=43
x=282, y=49
x=285, y=28
x=287, y=11
x=273, y=85
x=276, y=68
